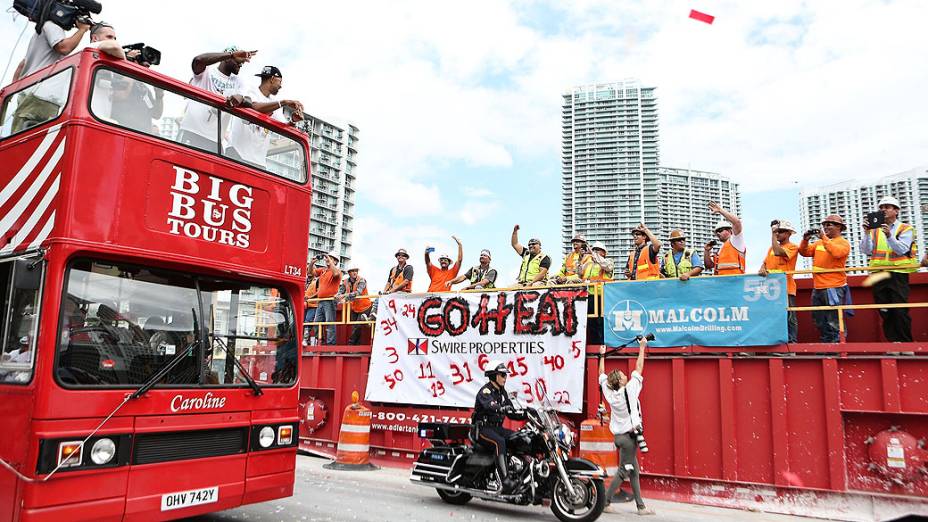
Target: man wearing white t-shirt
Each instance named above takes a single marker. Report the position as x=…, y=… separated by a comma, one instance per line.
x=200, y=125
x=730, y=259
x=625, y=421
x=249, y=142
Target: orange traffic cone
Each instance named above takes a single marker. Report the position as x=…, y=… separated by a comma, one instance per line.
x=354, y=439
x=597, y=443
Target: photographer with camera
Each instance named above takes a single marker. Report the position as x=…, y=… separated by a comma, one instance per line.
x=828, y=288
x=49, y=45
x=781, y=257
x=625, y=422
x=891, y=243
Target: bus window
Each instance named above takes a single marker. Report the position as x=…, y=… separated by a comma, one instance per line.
x=120, y=324
x=256, y=145
x=122, y=100
x=37, y=104
x=19, y=311
x=255, y=324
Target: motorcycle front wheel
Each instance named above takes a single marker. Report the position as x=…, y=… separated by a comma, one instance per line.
x=458, y=498
x=585, y=505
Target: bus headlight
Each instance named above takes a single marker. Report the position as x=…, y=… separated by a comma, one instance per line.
x=70, y=453
x=266, y=437
x=103, y=451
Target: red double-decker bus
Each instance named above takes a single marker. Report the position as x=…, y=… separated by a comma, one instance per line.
x=152, y=248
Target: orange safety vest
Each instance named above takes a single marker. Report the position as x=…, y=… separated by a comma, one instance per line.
x=646, y=268
x=396, y=277
x=573, y=262
x=310, y=293
x=729, y=260
x=884, y=256
x=359, y=304
x=776, y=264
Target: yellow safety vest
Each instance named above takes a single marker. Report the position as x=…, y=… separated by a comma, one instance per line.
x=531, y=266
x=476, y=276
x=594, y=273
x=573, y=262
x=672, y=269
x=884, y=256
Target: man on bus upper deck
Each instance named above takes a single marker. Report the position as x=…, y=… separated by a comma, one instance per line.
x=199, y=126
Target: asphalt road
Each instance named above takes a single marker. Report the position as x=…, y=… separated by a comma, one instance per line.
x=387, y=494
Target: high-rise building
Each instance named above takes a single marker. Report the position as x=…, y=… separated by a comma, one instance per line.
x=609, y=163
x=853, y=199
x=333, y=162
x=684, y=196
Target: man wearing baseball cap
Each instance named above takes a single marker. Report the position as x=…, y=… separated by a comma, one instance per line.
x=828, y=288
x=400, y=278
x=440, y=275
x=480, y=276
x=782, y=257
x=329, y=280
x=198, y=128
x=535, y=263
x=249, y=142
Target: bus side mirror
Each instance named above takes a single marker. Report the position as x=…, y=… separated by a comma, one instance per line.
x=27, y=274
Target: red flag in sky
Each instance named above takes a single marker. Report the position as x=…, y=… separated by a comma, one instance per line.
x=702, y=17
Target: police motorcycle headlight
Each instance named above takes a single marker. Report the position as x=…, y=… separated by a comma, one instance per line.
x=103, y=451
x=565, y=437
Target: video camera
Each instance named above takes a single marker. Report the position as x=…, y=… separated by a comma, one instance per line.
x=63, y=13
x=147, y=55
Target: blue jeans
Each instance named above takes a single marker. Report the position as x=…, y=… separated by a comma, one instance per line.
x=325, y=312
x=793, y=321
x=827, y=320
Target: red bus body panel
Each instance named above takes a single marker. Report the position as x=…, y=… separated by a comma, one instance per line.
x=113, y=194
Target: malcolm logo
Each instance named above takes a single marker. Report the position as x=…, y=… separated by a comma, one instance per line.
x=628, y=319
x=418, y=346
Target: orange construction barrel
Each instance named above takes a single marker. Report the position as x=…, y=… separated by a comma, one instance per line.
x=598, y=444
x=354, y=439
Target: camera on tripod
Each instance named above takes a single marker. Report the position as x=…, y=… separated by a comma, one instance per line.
x=63, y=13
x=147, y=55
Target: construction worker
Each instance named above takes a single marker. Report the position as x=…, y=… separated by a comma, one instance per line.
x=781, y=257
x=480, y=276
x=642, y=260
x=893, y=243
x=680, y=262
x=828, y=288
x=571, y=270
x=400, y=277
x=535, y=264
x=310, y=305
x=597, y=270
x=439, y=275
x=351, y=291
x=731, y=255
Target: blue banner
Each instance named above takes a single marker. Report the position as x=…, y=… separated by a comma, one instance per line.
x=745, y=310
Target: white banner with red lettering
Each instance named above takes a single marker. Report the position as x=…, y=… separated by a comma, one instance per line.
x=433, y=349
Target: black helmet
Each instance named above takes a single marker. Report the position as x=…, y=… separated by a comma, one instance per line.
x=495, y=367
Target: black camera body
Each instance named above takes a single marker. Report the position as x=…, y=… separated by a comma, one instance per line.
x=712, y=243
x=813, y=232
x=63, y=13
x=775, y=223
x=147, y=55
x=875, y=219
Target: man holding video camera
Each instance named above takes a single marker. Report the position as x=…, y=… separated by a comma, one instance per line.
x=829, y=286
x=48, y=46
x=891, y=243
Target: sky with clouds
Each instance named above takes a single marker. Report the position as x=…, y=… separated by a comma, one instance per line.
x=459, y=103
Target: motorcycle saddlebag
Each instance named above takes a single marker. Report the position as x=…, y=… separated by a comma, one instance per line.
x=443, y=431
x=440, y=456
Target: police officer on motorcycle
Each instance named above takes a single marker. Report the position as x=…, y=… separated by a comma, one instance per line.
x=490, y=408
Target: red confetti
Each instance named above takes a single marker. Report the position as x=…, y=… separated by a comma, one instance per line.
x=702, y=17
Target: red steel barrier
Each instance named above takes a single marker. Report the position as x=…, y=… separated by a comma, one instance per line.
x=800, y=433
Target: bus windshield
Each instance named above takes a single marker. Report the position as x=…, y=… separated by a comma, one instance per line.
x=124, y=101
x=121, y=323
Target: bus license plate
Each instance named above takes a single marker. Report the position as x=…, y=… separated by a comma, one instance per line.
x=194, y=497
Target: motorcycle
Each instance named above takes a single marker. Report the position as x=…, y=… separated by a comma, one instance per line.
x=460, y=467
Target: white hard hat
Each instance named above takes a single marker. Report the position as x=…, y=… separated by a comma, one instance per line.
x=889, y=200
x=786, y=225
x=722, y=224
x=444, y=256
x=333, y=254
x=598, y=245
x=352, y=267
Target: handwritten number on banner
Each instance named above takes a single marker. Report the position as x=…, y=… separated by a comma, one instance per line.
x=425, y=371
x=482, y=361
x=392, y=304
x=458, y=376
x=541, y=388
x=562, y=397
x=388, y=325
x=393, y=378
x=556, y=362
x=438, y=389
x=527, y=390
x=409, y=310
x=392, y=353
x=575, y=349
x=518, y=363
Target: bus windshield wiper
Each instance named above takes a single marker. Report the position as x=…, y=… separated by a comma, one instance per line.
x=238, y=365
x=153, y=380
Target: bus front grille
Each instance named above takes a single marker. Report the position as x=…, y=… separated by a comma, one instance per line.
x=185, y=445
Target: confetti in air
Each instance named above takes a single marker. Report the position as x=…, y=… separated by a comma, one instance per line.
x=702, y=17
